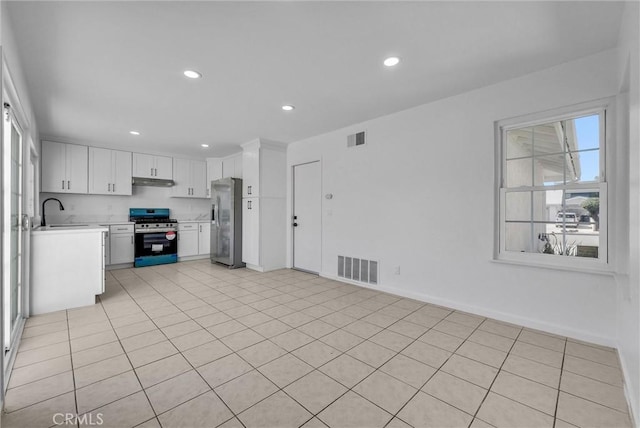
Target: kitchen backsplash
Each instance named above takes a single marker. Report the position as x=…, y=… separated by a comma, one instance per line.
x=103, y=208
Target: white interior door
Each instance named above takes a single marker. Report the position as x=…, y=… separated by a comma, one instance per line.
x=307, y=220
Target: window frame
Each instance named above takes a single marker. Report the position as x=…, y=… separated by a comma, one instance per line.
x=602, y=264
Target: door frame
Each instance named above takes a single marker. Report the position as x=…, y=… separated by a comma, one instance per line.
x=10, y=95
x=291, y=214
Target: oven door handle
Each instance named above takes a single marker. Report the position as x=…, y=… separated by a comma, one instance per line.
x=144, y=232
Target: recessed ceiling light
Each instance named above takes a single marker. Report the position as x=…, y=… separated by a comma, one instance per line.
x=134, y=133
x=192, y=74
x=391, y=61
x=287, y=107
x=204, y=145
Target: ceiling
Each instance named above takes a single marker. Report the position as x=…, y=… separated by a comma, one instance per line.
x=97, y=70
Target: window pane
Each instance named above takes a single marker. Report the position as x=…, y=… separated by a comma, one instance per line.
x=583, y=167
x=518, y=237
x=519, y=173
x=519, y=143
x=587, y=131
x=518, y=206
x=580, y=221
x=549, y=170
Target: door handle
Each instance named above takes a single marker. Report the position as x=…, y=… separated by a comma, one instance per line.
x=25, y=222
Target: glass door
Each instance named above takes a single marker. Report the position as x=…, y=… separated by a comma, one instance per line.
x=12, y=228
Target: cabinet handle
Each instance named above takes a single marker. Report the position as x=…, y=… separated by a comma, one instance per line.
x=151, y=173
x=200, y=228
x=113, y=186
x=62, y=184
x=109, y=187
x=248, y=205
x=156, y=171
x=68, y=185
x=248, y=190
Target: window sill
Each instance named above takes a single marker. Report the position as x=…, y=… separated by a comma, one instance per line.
x=606, y=271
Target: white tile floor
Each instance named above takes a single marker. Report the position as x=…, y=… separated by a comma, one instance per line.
x=197, y=345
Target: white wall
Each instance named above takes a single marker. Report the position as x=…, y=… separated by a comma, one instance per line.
x=628, y=296
x=420, y=195
x=103, y=208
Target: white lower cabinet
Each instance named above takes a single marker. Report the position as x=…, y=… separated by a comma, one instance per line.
x=187, y=239
x=204, y=238
x=121, y=244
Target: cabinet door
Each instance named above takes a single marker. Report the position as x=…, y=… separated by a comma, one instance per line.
x=251, y=231
x=121, y=175
x=198, y=179
x=122, y=248
x=163, y=167
x=214, y=172
x=77, y=168
x=250, y=171
x=188, y=242
x=100, y=171
x=182, y=178
x=143, y=165
x=204, y=238
x=238, y=165
x=53, y=162
x=228, y=168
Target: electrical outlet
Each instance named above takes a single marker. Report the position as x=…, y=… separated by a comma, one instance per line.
x=397, y=270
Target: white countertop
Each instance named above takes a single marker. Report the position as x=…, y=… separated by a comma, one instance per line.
x=80, y=228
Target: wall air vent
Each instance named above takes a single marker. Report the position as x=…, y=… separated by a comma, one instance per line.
x=360, y=270
x=357, y=139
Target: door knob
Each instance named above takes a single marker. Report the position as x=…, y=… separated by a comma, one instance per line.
x=295, y=224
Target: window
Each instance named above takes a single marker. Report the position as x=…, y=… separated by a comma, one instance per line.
x=552, y=191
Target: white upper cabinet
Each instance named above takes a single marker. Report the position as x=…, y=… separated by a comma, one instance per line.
x=109, y=172
x=232, y=166
x=190, y=178
x=264, y=169
x=214, y=172
x=64, y=168
x=151, y=166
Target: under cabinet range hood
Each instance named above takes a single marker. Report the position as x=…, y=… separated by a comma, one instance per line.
x=157, y=182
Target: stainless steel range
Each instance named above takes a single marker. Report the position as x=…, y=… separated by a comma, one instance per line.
x=156, y=236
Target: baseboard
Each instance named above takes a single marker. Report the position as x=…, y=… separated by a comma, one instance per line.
x=489, y=313
x=633, y=403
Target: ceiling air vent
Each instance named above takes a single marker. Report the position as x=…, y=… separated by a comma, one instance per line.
x=357, y=139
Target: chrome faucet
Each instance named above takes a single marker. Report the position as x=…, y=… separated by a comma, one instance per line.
x=43, y=222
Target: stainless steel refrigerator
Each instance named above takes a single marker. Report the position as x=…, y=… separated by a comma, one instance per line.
x=226, y=222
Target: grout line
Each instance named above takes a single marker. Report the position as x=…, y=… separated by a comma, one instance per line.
x=284, y=284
